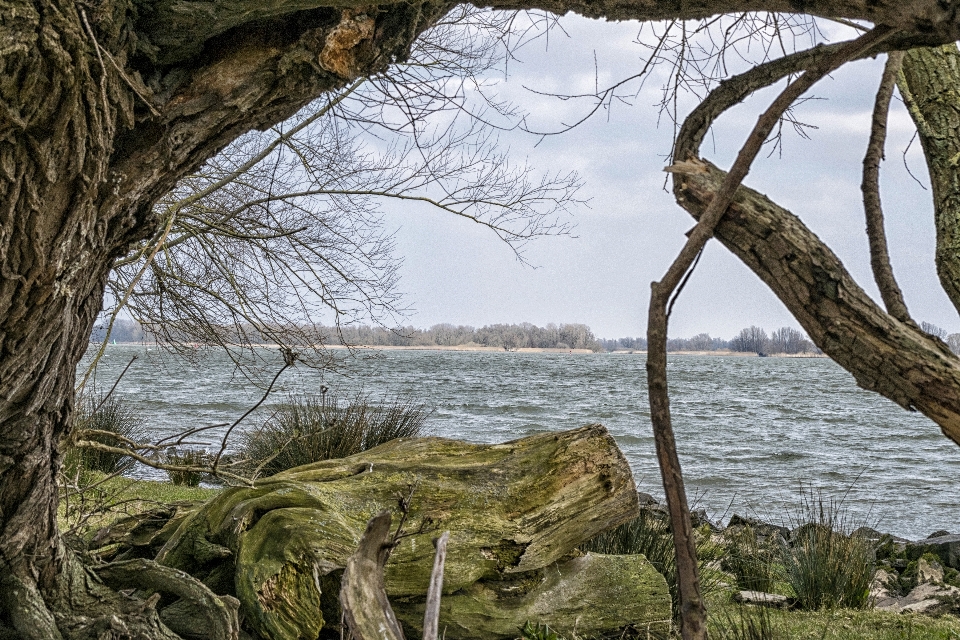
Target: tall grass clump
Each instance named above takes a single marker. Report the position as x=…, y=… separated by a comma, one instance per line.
x=825, y=565
x=649, y=535
x=749, y=623
x=307, y=429
x=108, y=415
x=751, y=561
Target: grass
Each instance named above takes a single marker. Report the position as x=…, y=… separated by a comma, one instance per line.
x=838, y=624
x=308, y=429
x=826, y=566
x=650, y=536
x=104, y=500
x=109, y=414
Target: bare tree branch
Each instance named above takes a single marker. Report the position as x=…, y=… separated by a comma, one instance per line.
x=870, y=186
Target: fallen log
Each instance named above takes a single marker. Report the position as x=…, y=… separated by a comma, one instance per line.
x=516, y=513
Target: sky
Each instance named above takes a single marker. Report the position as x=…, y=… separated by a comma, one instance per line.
x=628, y=233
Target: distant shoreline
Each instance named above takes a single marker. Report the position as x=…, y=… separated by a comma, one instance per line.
x=472, y=347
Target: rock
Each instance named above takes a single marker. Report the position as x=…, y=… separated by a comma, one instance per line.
x=762, y=599
x=930, y=599
x=880, y=594
x=761, y=528
x=645, y=499
x=947, y=548
x=929, y=571
x=516, y=512
x=867, y=534
x=939, y=533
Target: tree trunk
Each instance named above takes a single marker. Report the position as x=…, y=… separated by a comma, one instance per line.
x=930, y=85
x=895, y=359
x=95, y=126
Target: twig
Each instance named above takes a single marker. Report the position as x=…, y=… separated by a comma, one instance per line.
x=289, y=358
x=115, y=383
x=431, y=618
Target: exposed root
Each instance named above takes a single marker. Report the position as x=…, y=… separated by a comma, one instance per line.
x=197, y=612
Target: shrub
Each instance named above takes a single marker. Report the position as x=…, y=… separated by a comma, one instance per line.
x=309, y=429
x=186, y=458
x=825, y=566
x=752, y=562
x=109, y=414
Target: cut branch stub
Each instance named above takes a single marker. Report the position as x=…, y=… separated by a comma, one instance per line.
x=363, y=595
x=512, y=510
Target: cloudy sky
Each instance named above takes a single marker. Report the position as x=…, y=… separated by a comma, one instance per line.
x=626, y=237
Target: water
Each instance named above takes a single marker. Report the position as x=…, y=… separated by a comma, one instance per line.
x=750, y=431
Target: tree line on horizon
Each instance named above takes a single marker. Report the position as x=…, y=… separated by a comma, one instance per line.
x=753, y=339
x=503, y=336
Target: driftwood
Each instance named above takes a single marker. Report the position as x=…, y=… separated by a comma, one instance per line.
x=431, y=618
x=363, y=595
x=516, y=513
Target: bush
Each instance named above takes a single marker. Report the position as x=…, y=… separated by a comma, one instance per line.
x=751, y=561
x=309, y=429
x=186, y=458
x=825, y=566
x=110, y=414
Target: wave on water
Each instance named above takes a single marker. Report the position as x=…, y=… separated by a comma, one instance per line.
x=750, y=431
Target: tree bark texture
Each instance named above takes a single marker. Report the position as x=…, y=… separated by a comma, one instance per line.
x=884, y=355
x=930, y=85
x=95, y=126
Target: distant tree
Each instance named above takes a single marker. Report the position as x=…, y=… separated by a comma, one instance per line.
x=750, y=339
x=701, y=342
x=789, y=340
x=933, y=330
x=953, y=341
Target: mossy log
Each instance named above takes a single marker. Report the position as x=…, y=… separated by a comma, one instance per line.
x=515, y=511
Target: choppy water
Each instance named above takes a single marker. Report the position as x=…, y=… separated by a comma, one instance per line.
x=750, y=431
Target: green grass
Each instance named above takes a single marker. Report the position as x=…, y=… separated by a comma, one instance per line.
x=106, y=500
x=839, y=624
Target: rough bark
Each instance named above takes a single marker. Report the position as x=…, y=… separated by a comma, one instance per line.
x=884, y=355
x=513, y=510
x=870, y=186
x=930, y=85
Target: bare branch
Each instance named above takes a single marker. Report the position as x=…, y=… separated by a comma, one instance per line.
x=870, y=186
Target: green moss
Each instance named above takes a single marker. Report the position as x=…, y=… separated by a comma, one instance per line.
x=512, y=511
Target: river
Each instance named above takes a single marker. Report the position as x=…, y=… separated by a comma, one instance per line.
x=753, y=433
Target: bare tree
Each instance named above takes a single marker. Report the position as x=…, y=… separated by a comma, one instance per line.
x=752, y=339
x=789, y=340
x=105, y=107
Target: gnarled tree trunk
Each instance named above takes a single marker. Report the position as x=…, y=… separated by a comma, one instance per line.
x=930, y=85
x=102, y=109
